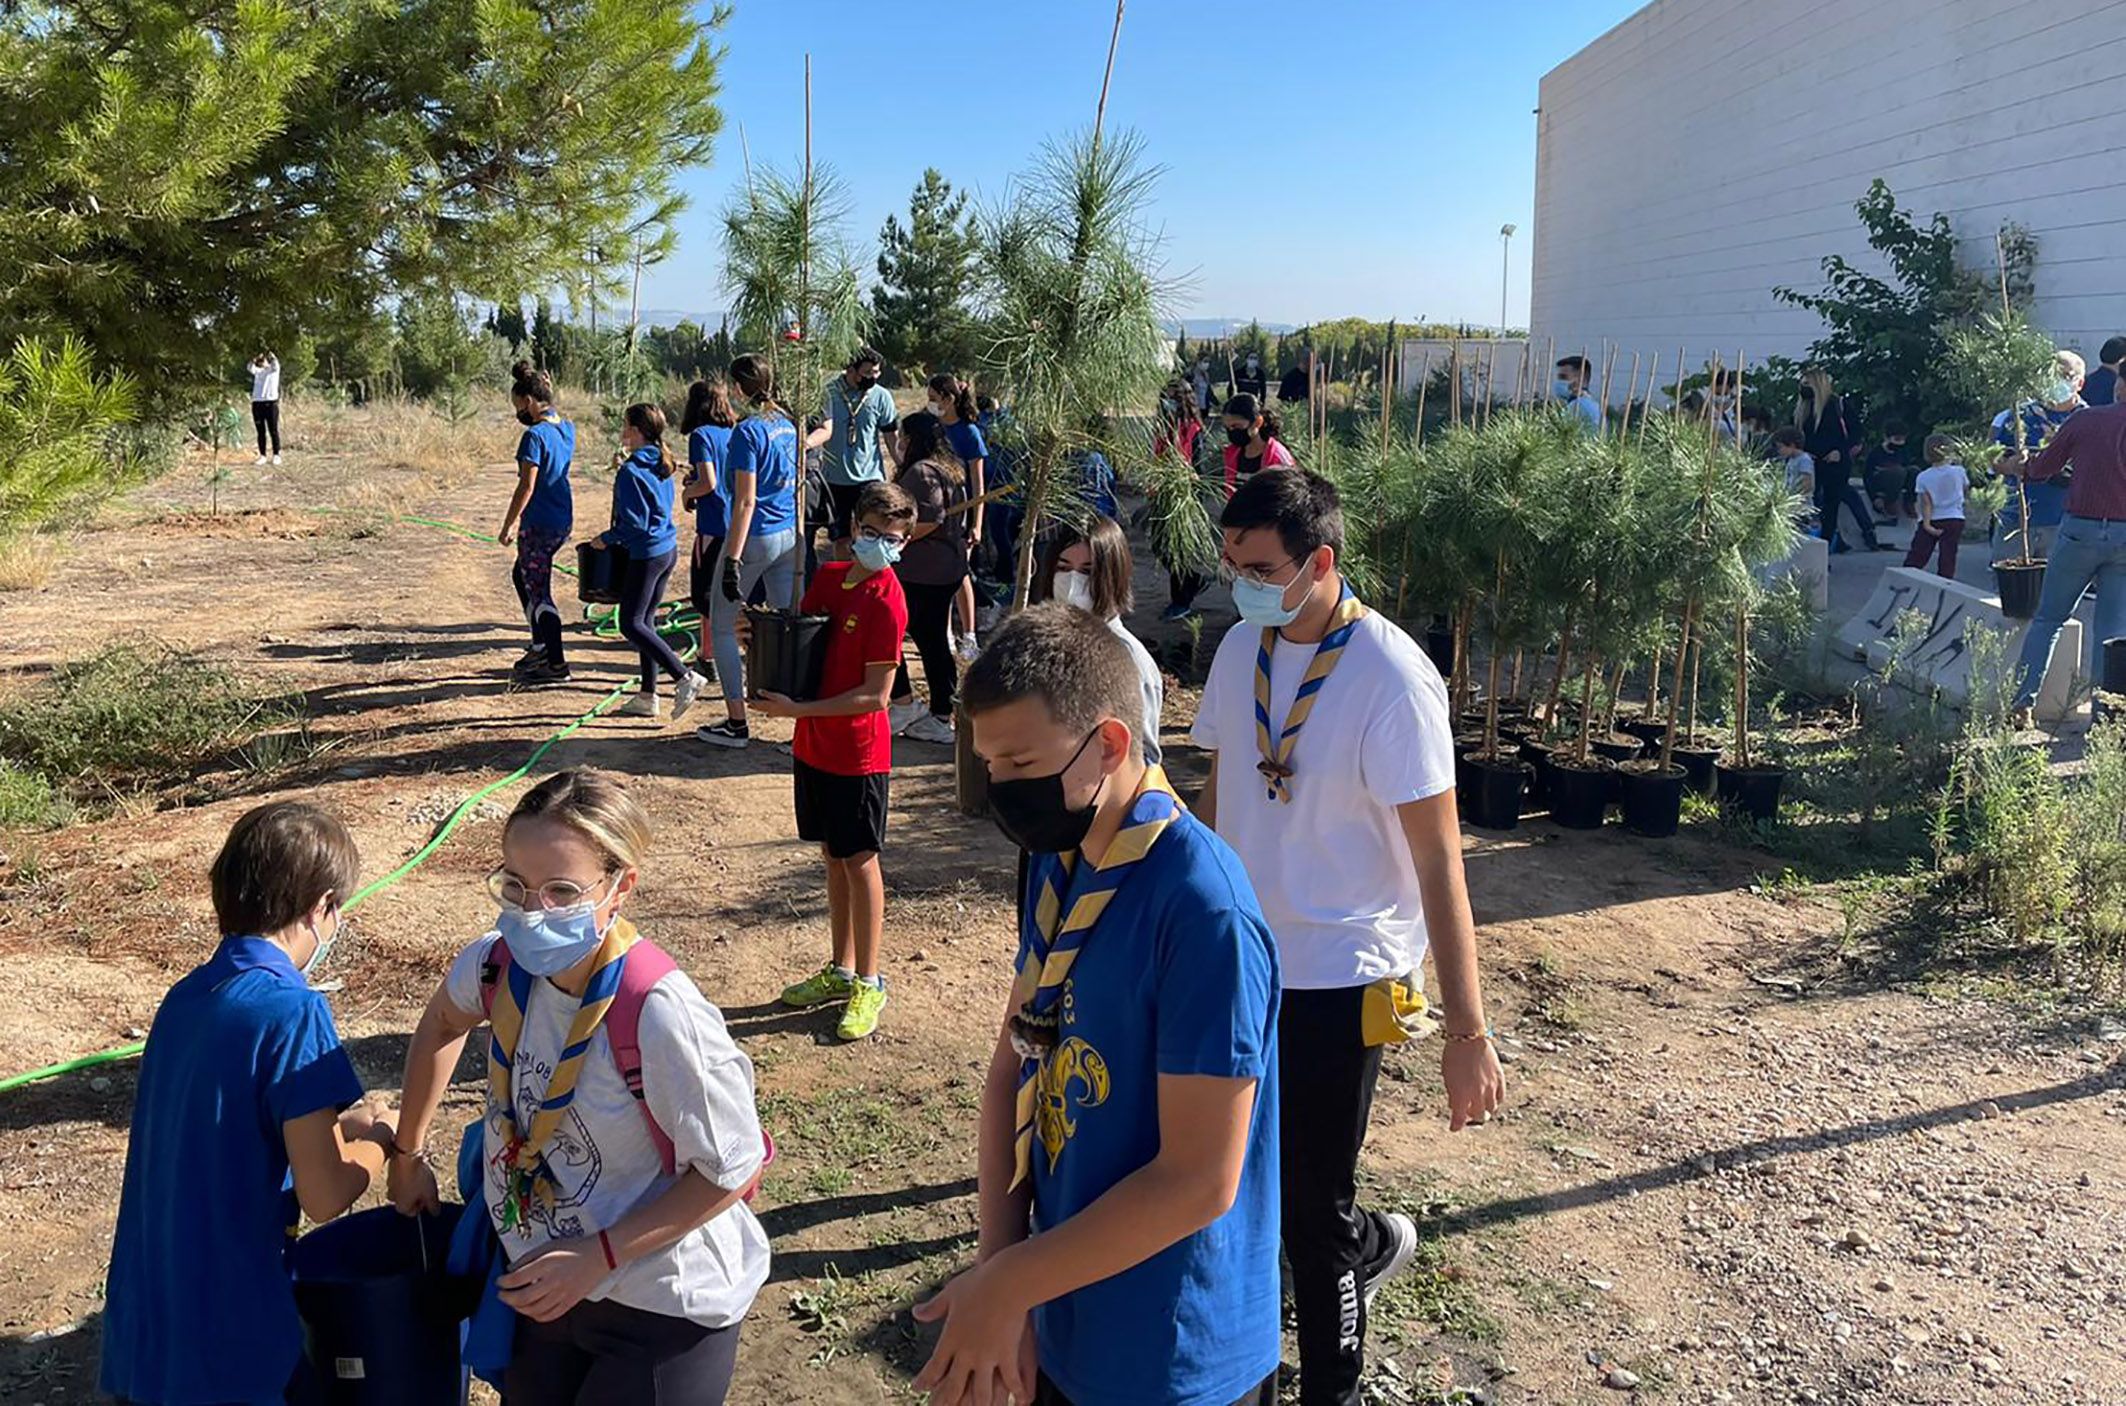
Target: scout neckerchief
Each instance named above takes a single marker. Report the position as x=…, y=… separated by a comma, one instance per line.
x=1053, y=939
x=523, y=1157
x=1276, y=763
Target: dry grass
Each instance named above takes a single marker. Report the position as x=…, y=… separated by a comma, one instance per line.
x=405, y=434
x=27, y=560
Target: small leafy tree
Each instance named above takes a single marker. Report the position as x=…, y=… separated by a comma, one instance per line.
x=925, y=269
x=2002, y=360
x=57, y=417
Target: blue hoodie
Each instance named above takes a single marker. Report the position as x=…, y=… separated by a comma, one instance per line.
x=642, y=508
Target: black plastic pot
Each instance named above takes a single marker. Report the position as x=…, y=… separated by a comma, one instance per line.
x=1539, y=756
x=1652, y=798
x=1464, y=744
x=2020, y=584
x=380, y=1315
x=1439, y=644
x=598, y=573
x=1697, y=764
x=785, y=652
x=1493, y=800
x=1618, y=749
x=1471, y=719
x=1647, y=730
x=1579, y=794
x=1754, y=791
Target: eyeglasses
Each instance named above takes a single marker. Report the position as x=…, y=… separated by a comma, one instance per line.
x=1229, y=573
x=508, y=889
x=872, y=534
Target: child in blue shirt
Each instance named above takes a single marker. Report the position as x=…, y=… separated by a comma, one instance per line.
x=245, y=1091
x=1129, y=1167
x=643, y=528
x=707, y=426
x=538, y=519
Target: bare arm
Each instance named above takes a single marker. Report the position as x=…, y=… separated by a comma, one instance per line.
x=1004, y=1211
x=975, y=480
x=1470, y=1067
x=870, y=696
x=527, y=480
x=819, y=437
x=334, y=1158
x=701, y=483
x=1926, y=511
x=745, y=491
x=438, y=1041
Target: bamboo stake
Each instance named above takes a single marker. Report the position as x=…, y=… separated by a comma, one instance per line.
x=1114, y=41
x=1668, y=738
x=1742, y=687
x=1522, y=384
x=1616, y=694
x=1557, y=678
x=1653, y=680
x=805, y=329
x=1690, y=710
x=2022, y=485
x=1513, y=686
x=1631, y=396
x=1652, y=371
x=1454, y=412
x=1424, y=383
x=1609, y=370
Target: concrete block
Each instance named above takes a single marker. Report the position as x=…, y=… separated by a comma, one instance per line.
x=1940, y=659
x=1809, y=564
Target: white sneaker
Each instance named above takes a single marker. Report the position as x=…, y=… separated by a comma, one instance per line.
x=967, y=648
x=1402, y=1234
x=259, y=462
x=899, y=715
x=931, y=728
x=276, y=461
x=642, y=705
x=685, y=692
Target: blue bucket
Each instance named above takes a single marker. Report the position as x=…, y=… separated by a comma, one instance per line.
x=382, y=1320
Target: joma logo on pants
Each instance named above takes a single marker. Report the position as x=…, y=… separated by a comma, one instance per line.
x=1347, y=1311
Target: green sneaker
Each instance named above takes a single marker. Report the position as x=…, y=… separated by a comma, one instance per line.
x=860, y=1016
x=818, y=989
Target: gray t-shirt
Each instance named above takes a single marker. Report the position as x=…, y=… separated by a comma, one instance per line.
x=698, y=1085
x=855, y=422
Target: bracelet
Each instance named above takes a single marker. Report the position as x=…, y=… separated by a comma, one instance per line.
x=1455, y=1037
x=607, y=1245
x=418, y=1154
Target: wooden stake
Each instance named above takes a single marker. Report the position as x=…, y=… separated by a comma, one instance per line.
x=805, y=330
x=1424, y=383
x=1114, y=41
x=1631, y=396
x=1653, y=371
x=1609, y=371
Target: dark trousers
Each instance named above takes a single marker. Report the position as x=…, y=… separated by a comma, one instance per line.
x=1325, y=1077
x=1182, y=587
x=533, y=576
x=266, y=419
x=1832, y=493
x=1924, y=543
x=641, y=591
x=1264, y=1395
x=929, y=620
x=607, y=1354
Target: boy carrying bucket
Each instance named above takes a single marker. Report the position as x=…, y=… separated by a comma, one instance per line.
x=844, y=751
x=244, y=1082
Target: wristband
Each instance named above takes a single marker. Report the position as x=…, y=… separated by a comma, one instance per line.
x=606, y=1245
x=1456, y=1037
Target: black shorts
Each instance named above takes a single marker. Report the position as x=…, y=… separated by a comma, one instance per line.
x=841, y=509
x=847, y=814
x=701, y=572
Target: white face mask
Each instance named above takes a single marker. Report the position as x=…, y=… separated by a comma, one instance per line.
x=1074, y=589
x=2060, y=392
x=936, y=409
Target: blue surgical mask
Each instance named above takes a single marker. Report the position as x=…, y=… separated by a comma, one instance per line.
x=874, y=553
x=1561, y=389
x=2060, y=392
x=324, y=945
x=548, y=941
x=1263, y=605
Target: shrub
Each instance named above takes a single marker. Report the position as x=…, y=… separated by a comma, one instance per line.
x=57, y=420
x=26, y=800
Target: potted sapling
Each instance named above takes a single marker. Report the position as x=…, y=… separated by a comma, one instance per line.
x=2006, y=359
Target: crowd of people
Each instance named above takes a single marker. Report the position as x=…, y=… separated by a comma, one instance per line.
x=1183, y=1069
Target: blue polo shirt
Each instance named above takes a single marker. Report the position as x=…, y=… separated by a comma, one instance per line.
x=198, y=1307
x=765, y=446
x=711, y=445
x=2048, y=500
x=854, y=422
x=1180, y=977
x=642, y=507
x=549, y=447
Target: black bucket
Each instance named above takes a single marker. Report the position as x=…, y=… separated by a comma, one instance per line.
x=1439, y=644
x=381, y=1318
x=1697, y=764
x=2020, y=584
x=2111, y=682
x=1647, y=730
x=1618, y=749
x=1579, y=795
x=598, y=573
x=1754, y=791
x=1652, y=798
x=785, y=653
x=1539, y=756
x=1494, y=795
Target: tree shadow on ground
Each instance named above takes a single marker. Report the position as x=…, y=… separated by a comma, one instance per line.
x=57, y=1370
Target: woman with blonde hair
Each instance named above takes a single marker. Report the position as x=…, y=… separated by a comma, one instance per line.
x=1828, y=438
x=620, y=1138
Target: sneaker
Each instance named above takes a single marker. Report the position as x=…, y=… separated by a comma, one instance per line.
x=724, y=734
x=1401, y=1249
x=259, y=462
x=899, y=715
x=541, y=675
x=1179, y=610
x=276, y=461
x=967, y=648
x=530, y=659
x=818, y=989
x=931, y=728
x=687, y=690
x=860, y=1016
x=642, y=705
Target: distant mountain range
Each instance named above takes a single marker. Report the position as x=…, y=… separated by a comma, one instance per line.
x=1195, y=328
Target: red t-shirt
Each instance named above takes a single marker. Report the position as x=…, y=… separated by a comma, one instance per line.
x=866, y=620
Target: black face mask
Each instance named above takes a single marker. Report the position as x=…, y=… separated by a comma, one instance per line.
x=1239, y=438
x=1808, y=393
x=1033, y=815
x=865, y=383
x=525, y=417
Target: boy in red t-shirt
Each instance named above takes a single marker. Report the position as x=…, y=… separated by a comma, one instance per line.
x=844, y=751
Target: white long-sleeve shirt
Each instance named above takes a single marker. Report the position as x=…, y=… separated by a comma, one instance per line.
x=266, y=379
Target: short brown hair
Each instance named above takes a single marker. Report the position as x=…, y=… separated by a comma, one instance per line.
x=887, y=500
x=1112, y=566
x=1067, y=659
x=279, y=862
x=1940, y=448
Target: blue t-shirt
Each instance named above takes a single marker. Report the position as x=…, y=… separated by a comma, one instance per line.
x=765, y=446
x=1180, y=977
x=967, y=442
x=549, y=447
x=711, y=445
x=2048, y=500
x=642, y=508
x=1098, y=479
x=198, y=1307
x=854, y=422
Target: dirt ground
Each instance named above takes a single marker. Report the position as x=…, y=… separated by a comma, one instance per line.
x=1729, y=1169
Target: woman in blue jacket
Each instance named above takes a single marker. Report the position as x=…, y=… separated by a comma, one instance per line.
x=643, y=528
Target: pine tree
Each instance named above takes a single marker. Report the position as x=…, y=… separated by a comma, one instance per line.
x=924, y=269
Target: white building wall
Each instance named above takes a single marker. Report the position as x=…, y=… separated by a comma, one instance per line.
x=1704, y=152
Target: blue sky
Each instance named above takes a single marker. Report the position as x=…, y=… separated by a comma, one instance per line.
x=1321, y=159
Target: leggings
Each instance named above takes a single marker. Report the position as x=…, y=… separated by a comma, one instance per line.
x=266, y=419
x=641, y=591
x=769, y=560
x=1182, y=587
x=533, y=576
x=929, y=614
x=607, y=1354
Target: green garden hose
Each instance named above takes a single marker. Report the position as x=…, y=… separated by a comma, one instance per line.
x=676, y=619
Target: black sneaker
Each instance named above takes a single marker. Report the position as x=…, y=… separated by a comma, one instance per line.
x=540, y=675
x=725, y=734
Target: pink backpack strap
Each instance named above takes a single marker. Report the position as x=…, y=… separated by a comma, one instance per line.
x=647, y=964
x=493, y=972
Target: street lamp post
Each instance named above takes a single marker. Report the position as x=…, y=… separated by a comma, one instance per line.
x=1506, y=233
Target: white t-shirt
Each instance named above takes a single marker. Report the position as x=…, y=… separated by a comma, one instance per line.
x=1945, y=483
x=266, y=380
x=1331, y=867
x=1154, y=686
x=700, y=1087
